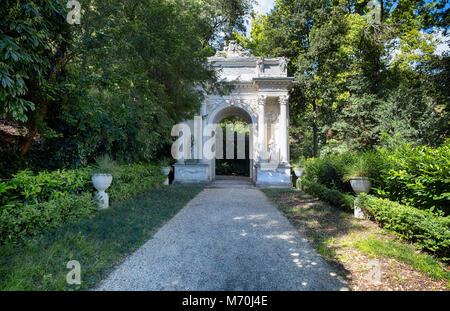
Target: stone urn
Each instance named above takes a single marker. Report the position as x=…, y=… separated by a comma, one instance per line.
x=102, y=182
x=166, y=170
x=360, y=184
x=299, y=172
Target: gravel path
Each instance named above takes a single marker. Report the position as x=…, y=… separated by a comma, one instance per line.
x=229, y=237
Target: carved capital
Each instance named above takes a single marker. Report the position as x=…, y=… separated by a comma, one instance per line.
x=283, y=99
x=262, y=99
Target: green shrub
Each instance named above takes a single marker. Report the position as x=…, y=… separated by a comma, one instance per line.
x=28, y=188
x=330, y=196
x=28, y=220
x=422, y=227
x=331, y=170
x=99, y=242
x=419, y=176
x=133, y=179
x=416, y=176
x=327, y=171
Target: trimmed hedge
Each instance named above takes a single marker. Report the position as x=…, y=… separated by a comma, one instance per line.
x=134, y=179
x=333, y=197
x=28, y=220
x=422, y=227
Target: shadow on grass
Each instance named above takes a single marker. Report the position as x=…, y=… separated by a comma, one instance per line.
x=99, y=243
x=319, y=222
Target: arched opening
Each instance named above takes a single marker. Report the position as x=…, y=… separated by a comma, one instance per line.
x=235, y=156
x=234, y=161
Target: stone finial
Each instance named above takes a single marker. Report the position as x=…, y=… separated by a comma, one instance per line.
x=260, y=66
x=283, y=65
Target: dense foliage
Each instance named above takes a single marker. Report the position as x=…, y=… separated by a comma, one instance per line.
x=115, y=83
x=358, y=77
x=34, y=41
x=27, y=188
x=28, y=220
x=416, y=176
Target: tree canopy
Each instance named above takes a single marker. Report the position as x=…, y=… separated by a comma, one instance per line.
x=359, y=78
x=116, y=82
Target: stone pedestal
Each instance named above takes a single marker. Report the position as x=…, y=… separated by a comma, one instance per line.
x=269, y=175
x=358, y=212
x=191, y=173
x=103, y=200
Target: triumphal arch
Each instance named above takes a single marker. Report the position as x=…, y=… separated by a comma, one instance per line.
x=260, y=97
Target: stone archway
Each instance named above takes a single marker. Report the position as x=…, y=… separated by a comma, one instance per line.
x=228, y=110
x=260, y=94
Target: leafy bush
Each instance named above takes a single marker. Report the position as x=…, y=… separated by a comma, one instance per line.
x=329, y=171
x=105, y=165
x=332, y=169
x=28, y=188
x=416, y=176
x=423, y=228
x=330, y=196
x=134, y=179
x=28, y=220
x=419, y=176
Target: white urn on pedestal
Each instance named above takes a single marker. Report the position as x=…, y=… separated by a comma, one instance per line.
x=102, y=182
x=359, y=185
x=102, y=178
x=166, y=171
x=299, y=173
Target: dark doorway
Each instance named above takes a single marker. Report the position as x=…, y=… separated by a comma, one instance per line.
x=235, y=166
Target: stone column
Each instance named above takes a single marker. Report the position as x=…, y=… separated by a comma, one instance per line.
x=203, y=115
x=283, y=129
x=261, y=128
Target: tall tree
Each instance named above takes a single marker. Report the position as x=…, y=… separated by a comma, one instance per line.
x=35, y=41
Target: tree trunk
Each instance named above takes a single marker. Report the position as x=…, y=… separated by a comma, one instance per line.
x=33, y=130
x=314, y=129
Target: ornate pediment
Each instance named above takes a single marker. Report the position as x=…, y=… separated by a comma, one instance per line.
x=233, y=49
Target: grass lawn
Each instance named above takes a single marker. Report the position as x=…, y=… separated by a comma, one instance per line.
x=99, y=243
x=352, y=246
